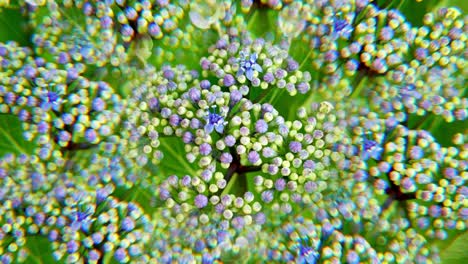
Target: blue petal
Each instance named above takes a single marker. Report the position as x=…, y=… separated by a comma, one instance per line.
x=249, y=74
x=209, y=128
x=219, y=128
x=253, y=57
x=257, y=67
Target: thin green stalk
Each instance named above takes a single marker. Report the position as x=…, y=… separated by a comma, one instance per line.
x=357, y=91
x=230, y=184
x=305, y=59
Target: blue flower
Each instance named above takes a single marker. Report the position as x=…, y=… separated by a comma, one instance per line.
x=248, y=64
x=307, y=255
x=409, y=91
x=214, y=121
x=81, y=219
x=371, y=149
x=51, y=100
x=341, y=28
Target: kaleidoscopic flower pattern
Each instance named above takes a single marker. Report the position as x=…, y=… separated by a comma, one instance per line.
x=226, y=131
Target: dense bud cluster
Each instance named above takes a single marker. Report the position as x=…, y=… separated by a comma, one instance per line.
x=232, y=131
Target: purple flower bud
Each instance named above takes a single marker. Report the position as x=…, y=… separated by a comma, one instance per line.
x=205, y=63
x=169, y=74
x=268, y=152
x=154, y=29
x=186, y=180
x=131, y=13
x=127, y=224
x=331, y=55
x=295, y=146
x=174, y=120
x=236, y=96
x=194, y=123
x=127, y=31
x=228, y=80
x=238, y=222
x=386, y=33
x=64, y=136
x=273, y=169
x=106, y=22
x=199, y=245
x=416, y=153
x=165, y=112
x=205, y=149
x=94, y=255
x=352, y=257
x=24, y=115
x=407, y=184
x=72, y=246
x=310, y=187
x=303, y=87
x=63, y=58
x=30, y=72
x=327, y=230
x=101, y=195
x=194, y=94
x=292, y=65
x=463, y=212
x=360, y=176
x=187, y=137
x=269, y=77
x=435, y=211
x=98, y=104
x=253, y=157
x=3, y=51
x=280, y=74
x=260, y=218
x=230, y=140
x=10, y=98
x=72, y=74
x=200, y=201
x=164, y=194
x=421, y=53
x=53, y=235
x=207, y=175
x=226, y=158
x=261, y=126
x=450, y=173
x=120, y=254
x=267, y=196
x=90, y=135
x=280, y=184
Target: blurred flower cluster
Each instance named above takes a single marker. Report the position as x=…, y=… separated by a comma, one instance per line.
x=221, y=131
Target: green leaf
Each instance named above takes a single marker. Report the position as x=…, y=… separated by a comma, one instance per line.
x=11, y=136
x=456, y=252
x=174, y=161
x=13, y=26
x=261, y=22
x=39, y=250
